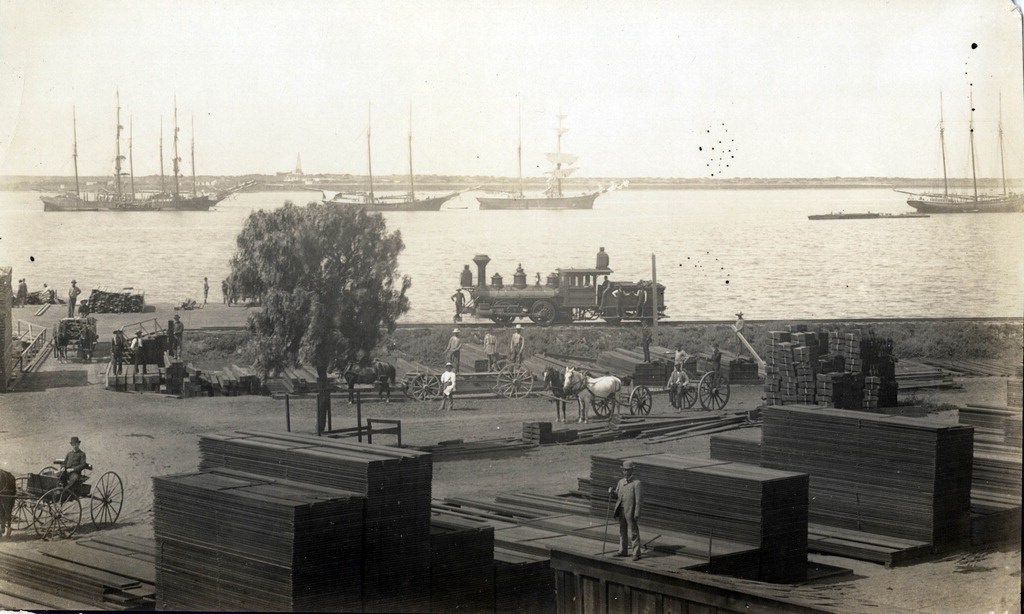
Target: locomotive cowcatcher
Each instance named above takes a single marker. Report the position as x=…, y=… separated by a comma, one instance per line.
x=568, y=295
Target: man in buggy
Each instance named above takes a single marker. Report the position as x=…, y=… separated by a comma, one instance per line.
x=74, y=464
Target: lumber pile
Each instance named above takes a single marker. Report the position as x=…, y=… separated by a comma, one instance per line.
x=901, y=477
x=978, y=366
x=911, y=375
x=127, y=301
x=739, y=369
x=459, y=448
x=461, y=564
x=229, y=540
x=765, y=508
x=67, y=576
x=1015, y=393
x=395, y=482
x=523, y=583
x=737, y=448
x=541, y=433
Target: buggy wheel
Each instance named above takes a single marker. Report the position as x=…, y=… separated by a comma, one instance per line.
x=640, y=401
x=57, y=513
x=48, y=470
x=602, y=406
x=501, y=363
x=514, y=382
x=543, y=312
x=713, y=391
x=21, y=513
x=105, y=500
x=426, y=387
x=687, y=397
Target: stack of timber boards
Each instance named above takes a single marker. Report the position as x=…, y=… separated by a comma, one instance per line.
x=66, y=576
x=234, y=541
x=766, y=508
x=737, y=448
x=523, y=583
x=396, y=483
x=461, y=564
x=887, y=475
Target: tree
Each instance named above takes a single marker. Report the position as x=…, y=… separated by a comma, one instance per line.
x=326, y=278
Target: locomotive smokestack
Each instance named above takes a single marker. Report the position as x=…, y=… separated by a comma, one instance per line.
x=481, y=261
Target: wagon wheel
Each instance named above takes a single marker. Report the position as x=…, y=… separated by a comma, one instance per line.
x=640, y=401
x=713, y=391
x=543, y=312
x=501, y=363
x=687, y=397
x=602, y=406
x=426, y=387
x=21, y=514
x=106, y=499
x=57, y=513
x=48, y=470
x=514, y=381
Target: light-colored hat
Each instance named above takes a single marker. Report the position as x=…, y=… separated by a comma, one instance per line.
x=627, y=464
x=519, y=325
x=76, y=440
x=447, y=364
x=455, y=332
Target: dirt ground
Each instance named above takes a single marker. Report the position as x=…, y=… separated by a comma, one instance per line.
x=142, y=435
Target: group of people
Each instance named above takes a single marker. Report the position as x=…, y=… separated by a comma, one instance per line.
x=453, y=355
x=20, y=297
x=679, y=379
x=121, y=349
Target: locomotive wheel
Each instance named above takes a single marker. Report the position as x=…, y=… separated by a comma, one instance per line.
x=602, y=406
x=106, y=499
x=21, y=514
x=514, y=382
x=503, y=307
x=57, y=513
x=687, y=397
x=713, y=391
x=640, y=401
x=543, y=312
x=503, y=319
x=426, y=387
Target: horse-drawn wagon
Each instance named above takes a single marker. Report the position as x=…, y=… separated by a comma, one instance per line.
x=422, y=383
x=43, y=503
x=75, y=336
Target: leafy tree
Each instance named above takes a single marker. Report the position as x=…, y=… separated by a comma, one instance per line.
x=326, y=278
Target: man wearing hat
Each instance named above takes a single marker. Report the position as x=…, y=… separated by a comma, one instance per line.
x=516, y=345
x=136, y=348
x=179, y=334
x=448, y=387
x=118, y=348
x=627, y=510
x=74, y=463
x=453, y=351
x=73, y=293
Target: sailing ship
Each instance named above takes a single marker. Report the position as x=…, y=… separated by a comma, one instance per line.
x=371, y=201
x=129, y=200
x=947, y=202
x=865, y=216
x=554, y=197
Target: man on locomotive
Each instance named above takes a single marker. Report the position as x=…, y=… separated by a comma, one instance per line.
x=74, y=463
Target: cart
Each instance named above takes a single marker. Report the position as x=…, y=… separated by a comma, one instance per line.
x=77, y=335
x=712, y=390
x=52, y=510
x=639, y=399
x=512, y=382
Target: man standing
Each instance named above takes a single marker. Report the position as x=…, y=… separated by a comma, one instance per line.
x=628, y=496
x=680, y=356
x=676, y=382
x=716, y=357
x=136, y=349
x=206, y=290
x=179, y=334
x=224, y=291
x=645, y=341
x=74, y=463
x=516, y=345
x=22, y=294
x=460, y=304
x=453, y=351
x=73, y=293
x=448, y=387
x=118, y=348
x=491, y=349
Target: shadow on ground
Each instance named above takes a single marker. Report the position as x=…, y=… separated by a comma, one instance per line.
x=44, y=380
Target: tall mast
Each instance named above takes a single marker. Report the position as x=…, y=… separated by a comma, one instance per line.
x=176, y=160
x=558, y=150
x=193, y=155
x=74, y=150
x=163, y=188
x=369, y=153
x=974, y=171
x=519, y=151
x=412, y=183
x=117, y=155
x=942, y=143
x=131, y=159
x=1002, y=160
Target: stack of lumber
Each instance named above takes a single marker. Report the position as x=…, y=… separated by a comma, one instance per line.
x=473, y=357
x=902, y=477
x=105, y=301
x=652, y=373
x=978, y=366
x=404, y=366
x=737, y=448
x=67, y=576
x=229, y=540
x=992, y=423
x=1015, y=393
x=765, y=508
x=459, y=448
x=461, y=564
x=912, y=375
x=541, y=433
x=523, y=583
x=620, y=361
x=396, y=483
x=739, y=369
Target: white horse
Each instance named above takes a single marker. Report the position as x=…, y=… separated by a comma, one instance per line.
x=577, y=382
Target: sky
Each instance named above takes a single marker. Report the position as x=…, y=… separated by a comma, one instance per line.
x=788, y=88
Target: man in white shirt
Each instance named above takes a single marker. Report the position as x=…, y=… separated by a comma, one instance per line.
x=453, y=351
x=491, y=349
x=448, y=387
x=517, y=345
x=136, y=349
x=676, y=382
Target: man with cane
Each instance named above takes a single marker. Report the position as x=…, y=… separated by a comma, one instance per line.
x=627, y=509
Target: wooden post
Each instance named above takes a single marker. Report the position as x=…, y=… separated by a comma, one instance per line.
x=359, y=415
x=654, y=301
x=287, y=412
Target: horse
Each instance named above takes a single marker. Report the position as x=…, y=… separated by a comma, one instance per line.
x=553, y=379
x=8, y=490
x=578, y=382
x=379, y=373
